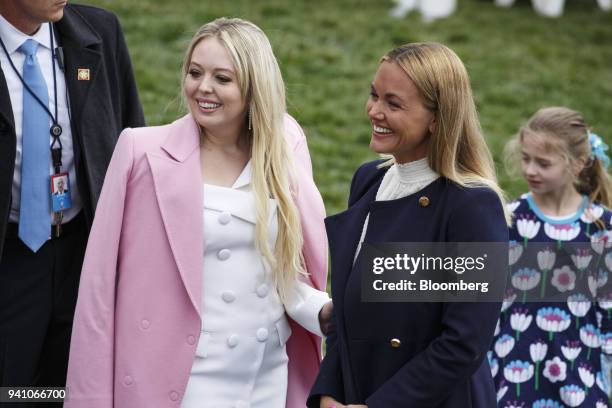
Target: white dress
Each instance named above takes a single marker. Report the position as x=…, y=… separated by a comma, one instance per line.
x=241, y=359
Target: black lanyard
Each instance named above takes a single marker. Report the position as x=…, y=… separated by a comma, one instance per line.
x=56, y=129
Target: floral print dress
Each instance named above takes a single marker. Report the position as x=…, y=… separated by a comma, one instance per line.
x=548, y=354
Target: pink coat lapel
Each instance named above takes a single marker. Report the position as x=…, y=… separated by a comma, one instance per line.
x=179, y=192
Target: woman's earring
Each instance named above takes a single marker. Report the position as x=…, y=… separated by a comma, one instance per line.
x=250, y=114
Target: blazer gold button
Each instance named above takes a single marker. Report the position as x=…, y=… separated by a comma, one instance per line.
x=395, y=343
x=424, y=201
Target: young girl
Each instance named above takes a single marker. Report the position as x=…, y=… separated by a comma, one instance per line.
x=549, y=354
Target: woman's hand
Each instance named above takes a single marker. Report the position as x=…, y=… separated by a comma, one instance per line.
x=325, y=315
x=329, y=402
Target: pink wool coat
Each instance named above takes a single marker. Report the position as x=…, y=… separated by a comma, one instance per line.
x=138, y=320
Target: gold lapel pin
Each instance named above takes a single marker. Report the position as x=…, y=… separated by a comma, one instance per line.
x=424, y=201
x=83, y=74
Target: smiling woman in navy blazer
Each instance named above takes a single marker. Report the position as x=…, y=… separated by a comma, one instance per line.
x=437, y=185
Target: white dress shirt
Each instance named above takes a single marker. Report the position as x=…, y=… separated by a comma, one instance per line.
x=13, y=39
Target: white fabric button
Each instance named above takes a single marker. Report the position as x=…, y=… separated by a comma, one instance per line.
x=241, y=404
x=174, y=396
x=224, y=218
x=262, y=290
x=191, y=340
x=262, y=334
x=224, y=254
x=145, y=324
x=228, y=296
x=127, y=380
x=232, y=340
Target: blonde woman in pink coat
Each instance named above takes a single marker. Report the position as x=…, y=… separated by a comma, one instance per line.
x=203, y=282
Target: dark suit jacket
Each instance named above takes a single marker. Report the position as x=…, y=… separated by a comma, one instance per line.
x=100, y=107
x=441, y=360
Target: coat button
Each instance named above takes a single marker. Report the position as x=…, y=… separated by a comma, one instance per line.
x=232, y=340
x=228, y=296
x=145, y=324
x=262, y=334
x=224, y=254
x=174, y=396
x=191, y=340
x=262, y=290
x=424, y=201
x=224, y=218
x=127, y=380
x=395, y=343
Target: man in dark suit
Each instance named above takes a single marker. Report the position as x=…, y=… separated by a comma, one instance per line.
x=63, y=66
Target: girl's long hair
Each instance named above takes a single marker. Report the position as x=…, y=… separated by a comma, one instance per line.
x=263, y=89
x=457, y=148
x=566, y=131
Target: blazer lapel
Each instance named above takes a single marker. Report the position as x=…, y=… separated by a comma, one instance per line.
x=6, y=109
x=86, y=67
x=343, y=232
x=82, y=59
x=179, y=192
x=8, y=143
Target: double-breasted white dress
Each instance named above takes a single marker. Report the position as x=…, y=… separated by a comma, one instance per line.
x=241, y=360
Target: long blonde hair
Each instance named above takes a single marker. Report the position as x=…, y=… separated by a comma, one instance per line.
x=567, y=133
x=457, y=148
x=263, y=89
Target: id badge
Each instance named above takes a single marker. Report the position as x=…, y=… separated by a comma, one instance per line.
x=60, y=192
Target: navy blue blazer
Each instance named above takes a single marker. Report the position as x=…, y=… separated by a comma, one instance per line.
x=440, y=362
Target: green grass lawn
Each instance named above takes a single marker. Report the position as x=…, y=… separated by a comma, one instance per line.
x=329, y=50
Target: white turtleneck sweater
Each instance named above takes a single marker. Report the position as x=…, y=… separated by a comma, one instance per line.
x=400, y=181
